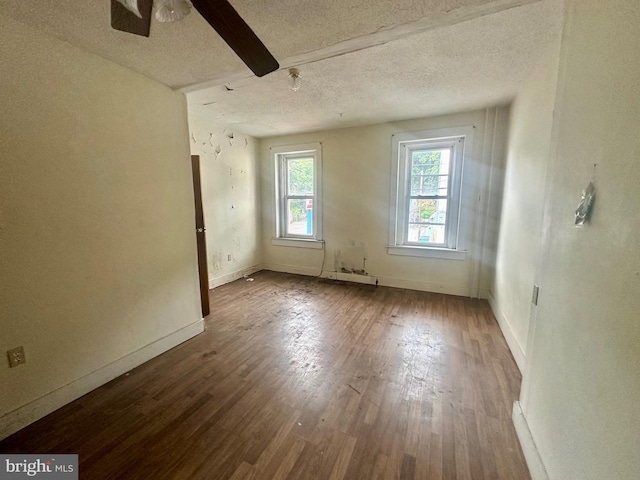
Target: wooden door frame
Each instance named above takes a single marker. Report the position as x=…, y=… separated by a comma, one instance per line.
x=201, y=238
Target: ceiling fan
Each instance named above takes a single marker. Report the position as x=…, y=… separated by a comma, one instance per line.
x=134, y=16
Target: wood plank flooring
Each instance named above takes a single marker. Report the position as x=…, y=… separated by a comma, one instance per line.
x=302, y=378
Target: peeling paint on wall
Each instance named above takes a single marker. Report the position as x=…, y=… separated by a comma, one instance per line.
x=229, y=196
x=351, y=257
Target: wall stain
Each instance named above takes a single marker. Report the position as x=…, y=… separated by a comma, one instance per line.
x=351, y=257
x=215, y=263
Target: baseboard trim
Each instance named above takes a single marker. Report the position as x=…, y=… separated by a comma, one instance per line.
x=516, y=350
x=233, y=276
x=529, y=448
x=309, y=272
x=461, y=291
x=19, y=418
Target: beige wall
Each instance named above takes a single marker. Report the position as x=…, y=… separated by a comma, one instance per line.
x=97, y=244
x=582, y=383
x=231, y=198
x=523, y=202
x=356, y=190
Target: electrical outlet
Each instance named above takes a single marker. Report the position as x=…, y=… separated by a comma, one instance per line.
x=229, y=257
x=16, y=356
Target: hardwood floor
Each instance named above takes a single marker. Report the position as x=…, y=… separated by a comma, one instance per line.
x=303, y=378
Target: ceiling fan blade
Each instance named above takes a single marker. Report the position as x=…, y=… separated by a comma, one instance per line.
x=125, y=20
x=234, y=30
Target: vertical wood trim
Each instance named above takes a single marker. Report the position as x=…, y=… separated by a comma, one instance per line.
x=484, y=193
x=203, y=271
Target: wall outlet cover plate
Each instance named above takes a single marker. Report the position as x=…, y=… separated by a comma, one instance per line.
x=16, y=356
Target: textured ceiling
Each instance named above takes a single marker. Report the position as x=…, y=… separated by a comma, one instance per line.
x=371, y=60
x=469, y=65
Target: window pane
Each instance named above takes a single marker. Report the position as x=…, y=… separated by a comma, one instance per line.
x=427, y=219
x=299, y=217
x=427, y=234
x=300, y=176
x=430, y=171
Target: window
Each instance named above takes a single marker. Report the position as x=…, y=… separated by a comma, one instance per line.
x=298, y=196
x=426, y=192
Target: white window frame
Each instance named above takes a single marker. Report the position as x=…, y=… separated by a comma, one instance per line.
x=281, y=155
x=459, y=139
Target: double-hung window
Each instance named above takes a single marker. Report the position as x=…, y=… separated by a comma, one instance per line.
x=298, y=195
x=426, y=192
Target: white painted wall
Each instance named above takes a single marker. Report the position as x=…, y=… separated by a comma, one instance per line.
x=97, y=245
x=520, y=234
x=230, y=196
x=356, y=189
x=581, y=382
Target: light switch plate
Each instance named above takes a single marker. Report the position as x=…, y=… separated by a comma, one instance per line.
x=534, y=296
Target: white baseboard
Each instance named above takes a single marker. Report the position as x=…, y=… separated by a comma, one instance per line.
x=32, y=411
x=233, y=276
x=461, y=291
x=507, y=332
x=531, y=454
x=310, y=272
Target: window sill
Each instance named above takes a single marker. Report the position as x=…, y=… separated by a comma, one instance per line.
x=428, y=252
x=298, y=242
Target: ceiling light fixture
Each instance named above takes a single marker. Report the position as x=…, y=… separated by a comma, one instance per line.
x=294, y=75
x=168, y=11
